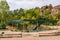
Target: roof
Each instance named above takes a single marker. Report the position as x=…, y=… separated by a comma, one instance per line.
x=14, y=21
x=19, y=21
x=58, y=7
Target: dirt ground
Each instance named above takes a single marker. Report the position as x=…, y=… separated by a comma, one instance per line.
x=34, y=38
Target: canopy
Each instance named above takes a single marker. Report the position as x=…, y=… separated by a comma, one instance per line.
x=14, y=21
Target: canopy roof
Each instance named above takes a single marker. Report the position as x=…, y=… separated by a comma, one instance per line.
x=39, y=21
x=19, y=21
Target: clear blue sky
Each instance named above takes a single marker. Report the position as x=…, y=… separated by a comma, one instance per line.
x=26, y=4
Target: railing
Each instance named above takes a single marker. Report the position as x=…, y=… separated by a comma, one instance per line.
x=24, y=34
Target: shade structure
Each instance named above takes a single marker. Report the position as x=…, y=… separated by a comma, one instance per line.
x=19, y=21
x=14, y=21
x=39, y=21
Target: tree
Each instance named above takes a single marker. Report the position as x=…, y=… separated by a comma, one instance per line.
x=29, y=13
x=37, y=12
x=4, y=5
x=58, y=16
x=4, y=8
x=21, y=12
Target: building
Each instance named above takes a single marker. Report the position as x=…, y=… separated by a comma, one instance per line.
x=47, y=7
x=55, y=10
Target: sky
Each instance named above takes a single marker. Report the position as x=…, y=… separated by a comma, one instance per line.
x=27, y=4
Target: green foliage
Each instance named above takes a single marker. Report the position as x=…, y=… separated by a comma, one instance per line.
x=30, y=14
x=2, y=26
x=57, y=33
x=58, y=23
x=4, y=5
x=58, y=15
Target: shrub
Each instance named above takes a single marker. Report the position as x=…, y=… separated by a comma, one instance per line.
x=57, y=33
